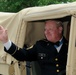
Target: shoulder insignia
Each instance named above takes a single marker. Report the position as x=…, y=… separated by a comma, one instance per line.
x=29, y=47
x=18, y=48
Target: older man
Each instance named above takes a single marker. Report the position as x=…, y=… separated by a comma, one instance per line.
x=50, y=53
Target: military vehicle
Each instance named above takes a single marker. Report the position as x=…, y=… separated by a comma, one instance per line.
x=27, y=26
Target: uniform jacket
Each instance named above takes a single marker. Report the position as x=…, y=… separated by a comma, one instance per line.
x=50, y=61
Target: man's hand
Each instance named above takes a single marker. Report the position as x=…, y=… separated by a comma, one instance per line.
x=3, y=35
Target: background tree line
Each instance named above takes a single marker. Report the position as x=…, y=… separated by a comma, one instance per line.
x=17, y=5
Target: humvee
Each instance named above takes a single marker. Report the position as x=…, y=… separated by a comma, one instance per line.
x=27, y=26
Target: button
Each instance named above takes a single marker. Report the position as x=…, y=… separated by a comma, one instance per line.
x=57, y=65
x=56, y=59
x=57, y=70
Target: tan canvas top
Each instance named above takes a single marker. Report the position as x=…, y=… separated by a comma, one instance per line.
x=16, y=23
x=22, y=29
x=50, y=11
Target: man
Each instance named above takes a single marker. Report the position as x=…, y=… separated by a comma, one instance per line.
x=50, y=53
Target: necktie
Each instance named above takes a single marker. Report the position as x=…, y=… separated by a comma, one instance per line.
x=57, y=43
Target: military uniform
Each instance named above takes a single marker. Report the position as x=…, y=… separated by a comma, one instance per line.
x=51, y=62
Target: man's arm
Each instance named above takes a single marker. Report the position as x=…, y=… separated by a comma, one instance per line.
x=20, y=54
x=9, y=47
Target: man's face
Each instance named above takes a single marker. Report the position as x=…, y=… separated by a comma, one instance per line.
x=52, y=32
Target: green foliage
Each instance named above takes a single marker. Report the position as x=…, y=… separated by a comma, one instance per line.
x=17, y=5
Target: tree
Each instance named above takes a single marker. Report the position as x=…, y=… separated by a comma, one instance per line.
x=17, y=5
